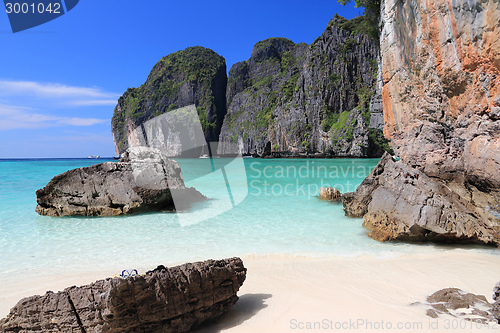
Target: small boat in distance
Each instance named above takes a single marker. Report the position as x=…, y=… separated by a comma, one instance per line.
x=204, y=156
x=94, y=156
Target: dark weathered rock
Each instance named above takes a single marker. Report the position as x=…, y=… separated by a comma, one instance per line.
x=142, y=181
x=330, y=194
x=298, y=98
x=495, y=309
x=175, y=299
x=457, y=303
x=399, y=202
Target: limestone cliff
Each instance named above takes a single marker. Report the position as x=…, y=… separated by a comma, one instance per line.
x=293, y=98
x=441, y=104
x=441, y=92
x=195, y=75
x=287, y=98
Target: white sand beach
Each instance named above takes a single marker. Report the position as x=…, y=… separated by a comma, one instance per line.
x=285, y=293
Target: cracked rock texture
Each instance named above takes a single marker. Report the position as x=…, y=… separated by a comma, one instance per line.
x=143, y=180
x=399, y=202
x=175, y=299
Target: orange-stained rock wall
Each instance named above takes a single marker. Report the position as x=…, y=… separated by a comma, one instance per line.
x=441, y=86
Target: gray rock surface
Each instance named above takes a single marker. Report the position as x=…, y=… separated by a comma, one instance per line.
x=175, y=299
x=143, y=180
x=398, y=202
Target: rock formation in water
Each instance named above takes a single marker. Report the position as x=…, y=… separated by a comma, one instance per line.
x=441, y=104
x=176, y=299
x=399, y=202
x=330, y=194
x=195, y=75
x=293, y=98
x=143, y=180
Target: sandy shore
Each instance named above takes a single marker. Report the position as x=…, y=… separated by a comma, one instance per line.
x=285, y=293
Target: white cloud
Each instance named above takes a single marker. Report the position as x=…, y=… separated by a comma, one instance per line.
x=94, y=102
x=51, y=90
x=60, y=93
x=80, y=121
x=15, y=117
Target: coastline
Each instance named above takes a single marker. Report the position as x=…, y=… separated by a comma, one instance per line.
x=285, y=292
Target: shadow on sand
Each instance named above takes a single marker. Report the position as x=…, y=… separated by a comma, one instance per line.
x=247, y=306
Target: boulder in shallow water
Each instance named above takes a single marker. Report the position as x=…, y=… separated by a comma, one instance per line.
x=175, y=299
x=143, y=180
x=329, y=193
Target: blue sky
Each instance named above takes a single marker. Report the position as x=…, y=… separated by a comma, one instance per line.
x=59, y=82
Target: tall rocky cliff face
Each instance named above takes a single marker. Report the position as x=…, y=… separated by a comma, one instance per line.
x=441, y=104
x=441, y=92
x=195, y=75
x=293, y=98
x=287, y=98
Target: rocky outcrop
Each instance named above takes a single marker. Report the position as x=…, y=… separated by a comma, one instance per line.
x=195, y=75
x=143, y=180
x=440, y=95
x=175, y=299
x=459, y=304
x=330, y=194
x=399, y=202
x=295, y=99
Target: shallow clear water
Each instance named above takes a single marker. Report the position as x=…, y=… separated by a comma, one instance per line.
x=280, y=214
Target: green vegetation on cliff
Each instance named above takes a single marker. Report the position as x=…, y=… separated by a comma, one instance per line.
x=277, y=59
x=369, y=21
x=196, y=75
x=304, y=98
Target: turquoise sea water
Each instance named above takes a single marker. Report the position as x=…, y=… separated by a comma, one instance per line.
x=280, y=214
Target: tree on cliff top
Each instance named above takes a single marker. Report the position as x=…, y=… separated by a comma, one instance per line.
x=371, y=14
